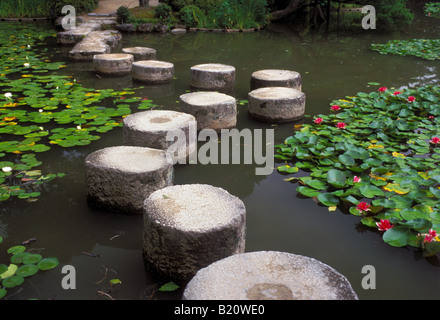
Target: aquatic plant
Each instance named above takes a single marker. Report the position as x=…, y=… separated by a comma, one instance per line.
x=375, y=157
x=23, y=264
x=432, y=9
x=41, y=110
x=423, y=48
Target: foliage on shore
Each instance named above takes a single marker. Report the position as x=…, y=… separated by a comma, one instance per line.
x=423, y=48
x=42, y=8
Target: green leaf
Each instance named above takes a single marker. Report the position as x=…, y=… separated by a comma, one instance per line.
x=3, y=292
x=328, y=199
x=347, y=160
x=336, y=178
x=397, y=236
x=370, y=191
x=27, y=270
x=32, y=258
x=48, y=263
x=308, y=192
x=170, y=286
x=16, y=249
x=12, y=281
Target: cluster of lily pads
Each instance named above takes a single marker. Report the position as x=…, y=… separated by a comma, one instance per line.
x=41, y=109
x=23, y=264
x=375, y=155
x=432, y=9
x=423, y=48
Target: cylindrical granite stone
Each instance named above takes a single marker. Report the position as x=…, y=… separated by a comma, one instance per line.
x=113, y=64
x=150, y=129
x=141, y=53
x=153, y=71
x=213, y=77
x=276, y=78
x=121, y=178
x=276, y=104
x=188, y=227
x=268, y=275
x=212, y=110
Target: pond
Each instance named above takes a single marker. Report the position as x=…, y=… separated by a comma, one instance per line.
x=277, y=219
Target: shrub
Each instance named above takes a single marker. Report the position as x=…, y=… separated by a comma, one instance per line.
x=123, y=14
x=178, y=5
x=206, y=5
x=163, y=11
x=190, y=15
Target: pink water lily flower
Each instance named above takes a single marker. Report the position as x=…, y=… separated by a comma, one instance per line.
x=363, y=207
x=318, y=120
x=384, y=225
x=383, y=89
x=396, y=93
x=435, y=140
x=356, y=179
x=335, y=107
x=341, y=125
x=411, y=99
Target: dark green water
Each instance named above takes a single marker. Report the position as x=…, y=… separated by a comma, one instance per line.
x=276, y=218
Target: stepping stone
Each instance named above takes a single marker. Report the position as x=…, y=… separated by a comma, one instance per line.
x=276, y=78
x=276, y=104
x=96, y=42
x=121, y=178
x=268, y=275
x=71, y=37
x=153, y=71
x=113, y=64
x=213, y=76
x=150, y=129
x=141, y=53
x=188, y=227
x=212, y=110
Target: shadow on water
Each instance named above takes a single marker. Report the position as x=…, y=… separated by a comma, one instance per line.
x=277, y=219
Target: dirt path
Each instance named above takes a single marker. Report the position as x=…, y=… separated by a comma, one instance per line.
x=110, y=6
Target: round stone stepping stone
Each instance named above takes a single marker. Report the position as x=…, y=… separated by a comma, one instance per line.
x=122, y=177
x=213, y=76
x=275, y=78
x=268, y=275
x=141, y=53
x=150, y=129
x=153, y=71
x=113, y=64
x=276, y=104
x=212, y=110
x=188, y=227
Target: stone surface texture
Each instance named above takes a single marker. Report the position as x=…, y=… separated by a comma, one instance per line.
x=150, y=129
x=212, y=110
x=268, y=275
x=188, y=227
x=276, y=104
x=141, y=53
x=153, y=71
x=213, y=76
x=275, y=78
x=116, y=64
x=121, y=178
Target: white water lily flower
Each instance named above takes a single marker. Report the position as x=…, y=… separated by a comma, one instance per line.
x=26, y=64
x=7, y=169
x=41, y=128
x=8, y=95
x=40, y=110
x=78, y=127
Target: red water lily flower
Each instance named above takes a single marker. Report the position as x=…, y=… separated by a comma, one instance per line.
x=363, y=207
x=341, y=125
x=411, y=99
x=435, y=140
x=356, y=179
x=396, y=93
x=335, y=107
x=318, y=120
x=384, y=225
x=383, y=89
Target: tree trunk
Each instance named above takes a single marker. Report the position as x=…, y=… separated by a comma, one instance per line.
x=143, y=3
x=293, y=6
